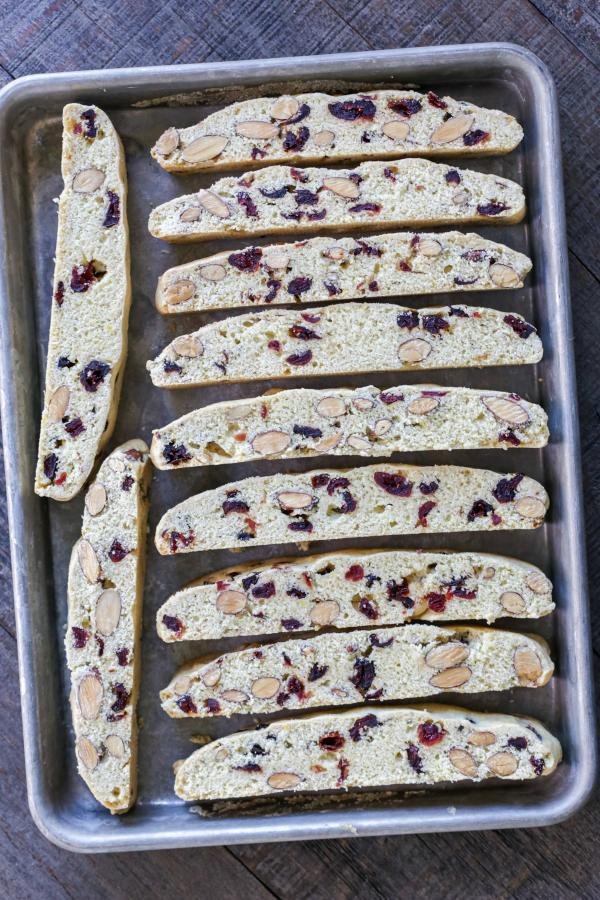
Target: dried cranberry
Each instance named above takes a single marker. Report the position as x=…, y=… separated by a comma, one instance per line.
x=408, y=319
x=245, y=200
x=173, y=624
x=83, y=277
x=307, y=431
x=299, y=359
x=275, y=194
x=175, y=454
x=122, y=697
x=75, y=427
x=367, y=249
x=127, y=483
x=538, y=764
x=344, y=767
x=360, y=727
x=332, y=741
x=519, y=326
x=336, y=484
x=456, y=587
x=300, y=525
x=348, y=503
x=388, y=398
x=424, y=510
x=332, y=289
x=51, y=466
x=299, y=286
x=364, y=674
x=299, y=175
x=406, y=108
x=505, y=490
x=296, y=592
x=320, y=480
x=477, y=136
x=399, y=592
x=457, y=311
x=249, y=581
x=434, y=323
x=316, y=671
x=113, y=210
x=64, y=363
x=351, y=110
x=390, y=173
x=376, y=642
x=474, y=255
x=117, y=551
x=123, y=655
x=234, y=506
x=464, y=281
x=519, y=743
x=491, y=209
x=311, y=317
x=302, y=333
x=186, y=704
x=295, y=142
x=304, y=197
x=59, y=293
x=248, y=767
x=89, y=119
x=509, y=437
x=430, y=488
x=373, y=208
x=291, y=624
x=429, y=733
x=274, y=345
x=257, y=750
x=302, y=113
x=80, y=637
x=365, y=137
x=93, y=375
x=414, y=758
x=212, y=705
x=247, y=260
x=355, y=573
x=452, y=176
x=257, y=153
x=373, y=286
x=479, y=510
x=264, y=591
x=176, y=538
x=296, y=686
x=368, y=609
x=371, y=579
x=436, y=101
x=317, y=214
x=393, y=483
x=436, y=602
x=170, y=366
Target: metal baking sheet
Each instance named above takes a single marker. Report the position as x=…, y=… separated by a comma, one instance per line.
x=42, y=533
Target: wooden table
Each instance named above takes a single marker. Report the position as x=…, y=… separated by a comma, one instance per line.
x=559, y=862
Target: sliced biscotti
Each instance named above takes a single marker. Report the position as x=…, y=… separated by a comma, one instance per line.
x=351, y=667
x=105, y=612
x=322, y=269
x=371, y=746
x=314, y=127
x=344, y=422
x=354, y=589
x=340, y=339
x=345, y=503
x=90, y=307
x=280, y=199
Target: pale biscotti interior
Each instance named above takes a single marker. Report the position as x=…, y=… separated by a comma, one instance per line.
x=322, y=269
x=86, y=352
x=104, y=625
x=347, y=503
x=314, y=127
x=343, y=422
x=341, y=339
x=356, y=666
x=280, y=200
x=354, y=589
x=370, y=746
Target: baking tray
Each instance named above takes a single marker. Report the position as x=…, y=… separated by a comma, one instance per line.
x=41, y=533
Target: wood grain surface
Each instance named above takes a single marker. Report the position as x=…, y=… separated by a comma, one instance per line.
x=559, y=862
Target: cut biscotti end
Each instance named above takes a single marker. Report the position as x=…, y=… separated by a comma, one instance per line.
x=340, y=339
x=403, y=263
x=370, y=746
x=345, y=503
x=90, y=304
x=346, y=668
x=316, y=126
x=280, y=200
x=348, y=422
x=354, y=589
x=104, y=622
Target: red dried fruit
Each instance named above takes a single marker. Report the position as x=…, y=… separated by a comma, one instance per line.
x=127, y=483
x=265, y=590
x=436, y=602
x=424, y=510
x=430, y=488
x=174, y=624
x=304, y=197
x=464, y=281
x=175, y=454
x=456, y=588
x=248, y=767
x=477, y=136
x=293, y=142
x=436, y=101
x=348, y=503
x=457, y=311
x=452, y=177
x=246, y=260
x=274, y=345
x=75, y=427
x=474, y=255
x=64, y=362
x=307, y=431
x=316, y=671
x=332, y=289
x=408, y=319
x=376, y=642
x=479, y=510
x=299, y=359
x=509, y=437
x=371, y=579
x=299, y=286
x=320, y=480
x=434, y=323
x=429, y=733
x=257, y=750
x=365, y=137
x=399, y=592
x=538, y=764
x=186, y=704
x=368, y=609
x=393, y=483
x=390, y=173
x=332, y=741
x=80, y=637
x=296, y=686
x=122, y=697
x=296, y=592
x=176, y=538
x=404, y=266
x=491, y=209
x=361, y=726
x=234, y=506
x=122, y=655
x=407, y=108
x=257, y=153
x=388, y=398
x=51, y=466
x=344, y=767
x=302, y=113
x=414, y=758
x=519, y=326
x=355, y=573
x=276, y=193
x=373, y=286
x=299, y=175
x=367, y=249
x=245, y=200
x=351, y=110
x=100, y=644
x=364, y=674
x=519, y=743
x=59, y=293
x=89, y=119
x=83, y=277
x=117, y=551
x=506, y=489
x=300, y=524
x=93, y=375
x=113, y=210
x=249, y=580
x=170, y=366
x=372, y=208
x=213, y=706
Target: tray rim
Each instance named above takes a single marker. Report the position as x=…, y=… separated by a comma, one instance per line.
x=51, y=820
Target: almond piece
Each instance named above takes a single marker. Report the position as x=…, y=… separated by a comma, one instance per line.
x=270, y=442
x=325, y=612
x=212, y=203
x=188, y=345
x=482, y=738
x=88, y=180
x=506, y=410
x=221, y=754
x=284, y=108
x=59, y=401
x=234, y=696
x=530, y=508
x=331, y=407
x=89, y=696
x=488, y=573
x=230, y=602
x=382, y=426
x=337, y=253
x=527, y=665
x=294, y=500
x=257, y=131
x=88, y=561
x=358, y=442
x=421, y=606
x=396, y=129
x=324, y=138
x=265, y=688
x=108, y=611
x=363, y=404
x=204, y=148
x=95, y=499
x=538, y=583
x=167, y=142
x=423, y=405
x=87, y=754
x=414, y=350
x=191, y=214
x=502, y=763
x=328, y=443
x=276, y=260
x=182, y=684
x=212, y=272
x=446, y=655
x=179, y=292
x=504, y=276
x=452, y=129
x=463, y=762
x=283, y=781
x=429, y=247
x=343, y=187
x=461, y=196
x=115, y=746
x=512, y=602
x=451, y=678
x=211, y=676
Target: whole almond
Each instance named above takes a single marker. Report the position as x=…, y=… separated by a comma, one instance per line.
x=212, y=203
x=284, y=108
x=59, y=401
x=179, y=291
x=382, y=426
x=257, y=131
x=95, y=499
x=282, y=781
x=89, y=696
x=324, y=138
x=204, y=148
x=191, y=214
x=331, y=407
x=211, y=676
x=265, y=688
x=167, y=142
x=233, y=696
x=396, y=130
x=108, y=611
x=363, y=404
x=461, y=196
x=87, y=753
x=358, y=442
x=504, y=276
x=538, y=583
x=451, y=129
x=188, y=345
x=325, y=612
x=530, y=508
x=502, y=763
x=230, y=602
x=182, y=684
x=423, y=405
x=429, y=247
x=212, y=272
x=527, y=665
x=512, y=602
x=294, y=499
x=115, y=746
x=88, y=180
x=88, y=561
x=506, y=410
x=463, y=762
x=270, y=442
x=446, y=655
x=328, y=443
x=343, y=187
x=482, y=738
x=451, y=678
x=414, y=350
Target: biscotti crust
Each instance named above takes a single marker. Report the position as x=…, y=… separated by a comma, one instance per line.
x=315, y=127
x=87, y=343
x=102, y=642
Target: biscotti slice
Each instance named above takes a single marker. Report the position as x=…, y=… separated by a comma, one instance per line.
x=347, y=503
x=314, y=127
x=280, y=199
x=371, y=746
x=344, y=422
x=87, y=344
x=322, y=269
x=351, y=667
x=354, y=589
x=106, y=577
x=343, y=339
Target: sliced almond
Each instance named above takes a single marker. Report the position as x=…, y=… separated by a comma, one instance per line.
x=429, y=247
x=451, y=678
x=482, y=738
x=294, y=499
x=115, y=746
x=108, y=611
x=343, y=187
x=234, y=696
x=382, y=426
x=421, y=606
x=325, y=612
x=212, y=272
x=504, y=276
x=212, y=203
x=283, y=781
x=285, y=108
x=88, y=180
x=512, y=602
x=488, y=573
x=423, y=405
x=188, y=345
x=95, y=499
x=530, y=508
x=211, y=676
x=89, y=696
x=506, y=410
x=446, y=655
x=324, y=138
x=87, y=753
x=527, y=665
x=179, y=292
x=270, y=442
x=358, y=442
x=363, y=404
x=191, y=214
x=502, y=763
x=396, y=129
x=265, y=688
x=59, y=401
x=452, y=129
x=276, y=260
x=331, y=407
x=88, y=561
x=414, y=350
x=463, y=762
x=230, y=602
x=257, y=131
x=167, y=142
x=538, y=583
x=204, y=148
x=328, y=443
